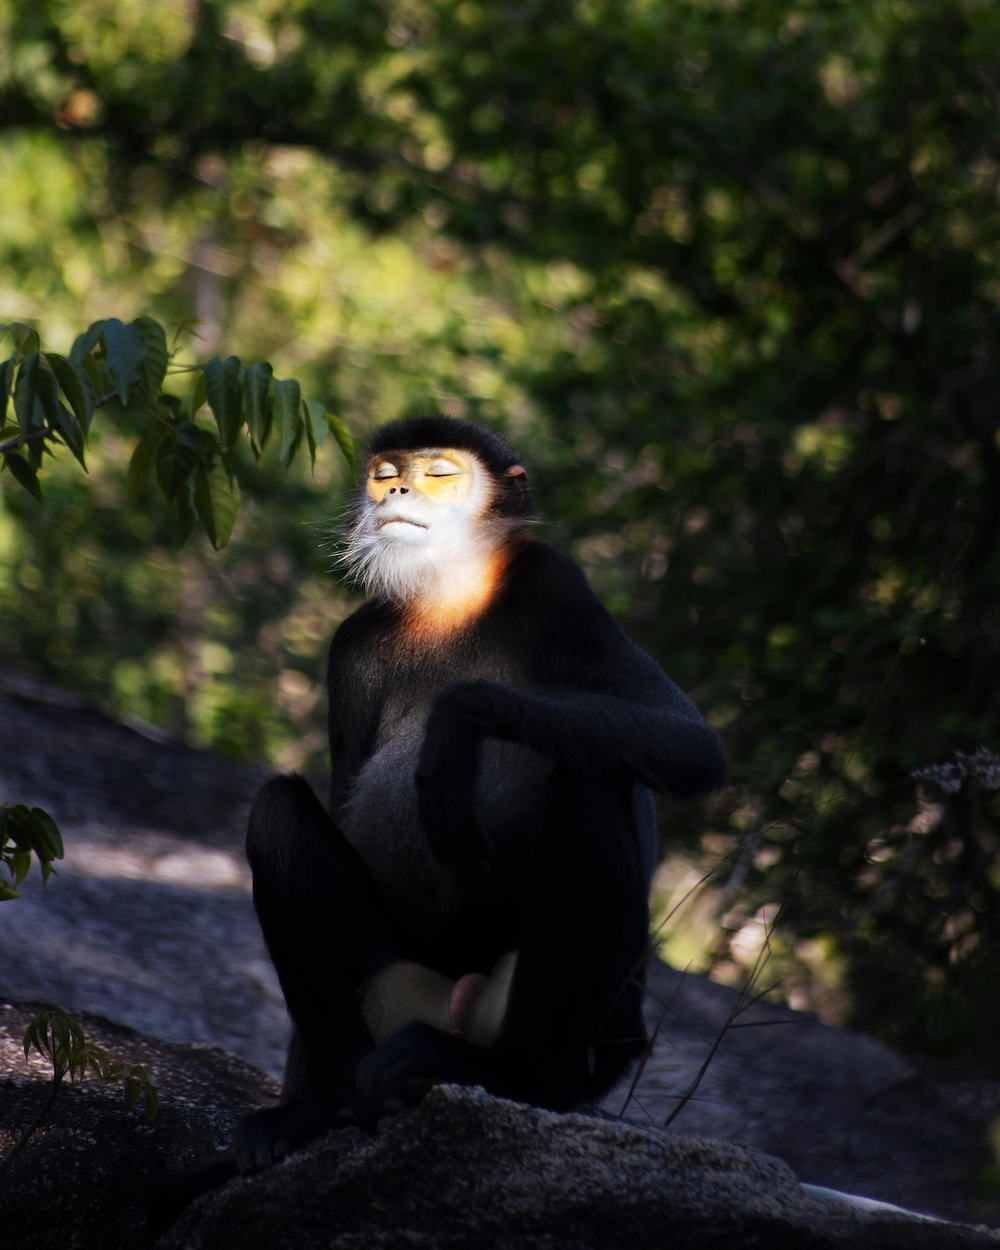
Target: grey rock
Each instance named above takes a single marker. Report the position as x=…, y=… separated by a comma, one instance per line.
x=150, y=923
x=841, y=1109
x=465, y=1171
x=66, y=755
x=82, y=1180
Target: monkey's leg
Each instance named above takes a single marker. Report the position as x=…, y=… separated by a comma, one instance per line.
x=328, y=932
x=573, y=1018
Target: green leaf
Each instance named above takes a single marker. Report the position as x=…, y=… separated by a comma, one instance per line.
x=25, y=394
x=7, y=891
x=176, y=457
x=198, y=396
x=257, y=402
x=140, y=465
x=216, y=499
x=25, y=339
x=315, y=415
x=47, y=394
x=133, y=1090
x=75, y=386
x=154, y=364
x=93, y=371
x=343, y=436
x=23, y=473
x=21, y=863
x=85, y=343
x=151, y=1101
x=52, y=829
x=125, y=349
x=185, y=514
x=225, y=398
x=30, y=833
x=288, y=413
x=6, y=380
x=72, y=435
x=315, y=426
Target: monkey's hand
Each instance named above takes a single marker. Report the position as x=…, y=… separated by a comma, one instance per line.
x=446, y=776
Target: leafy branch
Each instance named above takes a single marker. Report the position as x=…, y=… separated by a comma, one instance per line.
x=53, y=1032
x=124, y=366
x=59, y=1038
x=24, y=831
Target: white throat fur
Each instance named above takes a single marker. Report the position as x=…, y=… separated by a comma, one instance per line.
x=411, y=548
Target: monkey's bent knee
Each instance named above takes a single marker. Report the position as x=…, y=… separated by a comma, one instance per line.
x=284, y=807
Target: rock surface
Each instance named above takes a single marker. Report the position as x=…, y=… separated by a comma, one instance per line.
x=838, y=1107
x=463, y=1171
x=81, y=1182
x=150, y=923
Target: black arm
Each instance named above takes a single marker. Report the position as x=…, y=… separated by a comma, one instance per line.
x=661, y=738
x=667, y=744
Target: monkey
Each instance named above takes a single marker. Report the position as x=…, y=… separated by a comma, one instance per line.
x=471, y=906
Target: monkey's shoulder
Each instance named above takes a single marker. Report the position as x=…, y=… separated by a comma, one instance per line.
x=565, y=635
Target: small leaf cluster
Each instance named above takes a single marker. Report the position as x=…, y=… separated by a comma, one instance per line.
x=61, y=1039
x=124, y=366
x=25, y=830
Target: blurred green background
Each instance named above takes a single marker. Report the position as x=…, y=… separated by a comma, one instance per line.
x=727, y=274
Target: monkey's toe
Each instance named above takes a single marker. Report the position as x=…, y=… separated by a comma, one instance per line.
x=265, y=1136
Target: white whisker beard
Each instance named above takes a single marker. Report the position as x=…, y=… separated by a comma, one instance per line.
x=444, y=545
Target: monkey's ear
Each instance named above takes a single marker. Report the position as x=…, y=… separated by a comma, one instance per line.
x=518, y=475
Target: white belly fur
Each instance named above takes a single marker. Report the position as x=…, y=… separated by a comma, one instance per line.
x=380, y=819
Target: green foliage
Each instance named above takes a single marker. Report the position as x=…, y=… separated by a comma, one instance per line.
x=728, y=274
x=124, y=366
x=60, y=1039
x=23, y=832
x=54, y=1033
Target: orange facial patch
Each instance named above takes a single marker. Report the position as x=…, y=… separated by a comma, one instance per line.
x=441, y=474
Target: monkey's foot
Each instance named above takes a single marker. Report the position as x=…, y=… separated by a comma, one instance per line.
x=265, y=1136
x=400, y=1072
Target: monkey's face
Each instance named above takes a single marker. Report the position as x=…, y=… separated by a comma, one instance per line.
x=415, y=496
x=423, y=525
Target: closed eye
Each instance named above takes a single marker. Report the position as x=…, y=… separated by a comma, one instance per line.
x=443, y=469
x=384, y=472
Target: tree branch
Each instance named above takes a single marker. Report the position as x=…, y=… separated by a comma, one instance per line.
x=22, y=440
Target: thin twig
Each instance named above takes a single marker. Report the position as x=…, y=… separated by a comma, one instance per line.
x=23, y=439
x=761, y=1024
x=644, y=1111
x=743, y=1002
x=655, y=942
x=652, y=1042
x=106, y=399
x=21, y=1142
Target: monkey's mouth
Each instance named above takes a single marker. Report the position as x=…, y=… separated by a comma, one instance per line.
x=398, y=520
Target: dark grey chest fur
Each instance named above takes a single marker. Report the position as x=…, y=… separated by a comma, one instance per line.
x=379, y=817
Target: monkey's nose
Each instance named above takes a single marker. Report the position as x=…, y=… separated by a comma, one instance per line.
x=403, y=490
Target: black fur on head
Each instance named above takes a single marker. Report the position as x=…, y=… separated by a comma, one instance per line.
x=433, y=430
